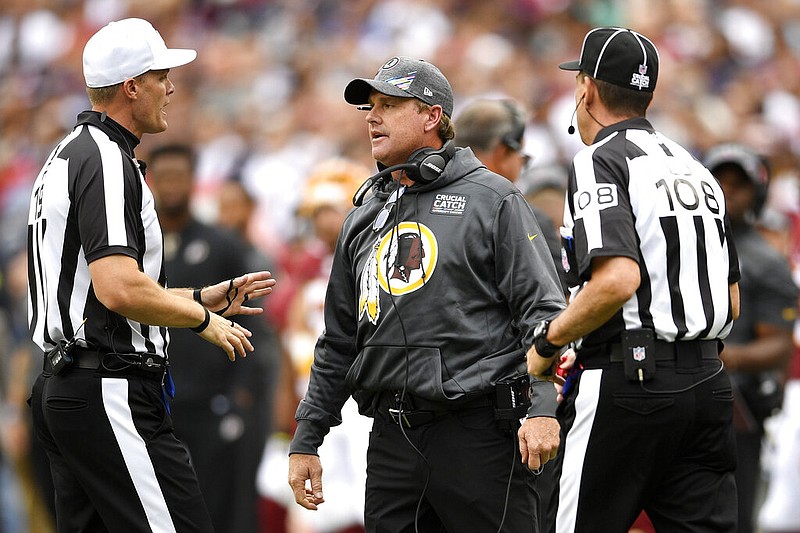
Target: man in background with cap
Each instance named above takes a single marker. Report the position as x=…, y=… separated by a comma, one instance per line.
x=99, y=309
x=495, y=131
x=760, y=343
x=436, y=282
x=647, y=411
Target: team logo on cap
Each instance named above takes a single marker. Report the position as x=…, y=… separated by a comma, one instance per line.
x=403, y=82
x=641, y=79
x=392, y=62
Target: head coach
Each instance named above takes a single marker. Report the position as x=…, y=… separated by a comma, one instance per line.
x=437, y=281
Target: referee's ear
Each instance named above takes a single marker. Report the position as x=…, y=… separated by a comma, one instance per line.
x=590, y=94
x=129, y=88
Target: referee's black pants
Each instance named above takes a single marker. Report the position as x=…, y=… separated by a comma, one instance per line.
x=624, y=449
x=452, y=474
x=116, y=464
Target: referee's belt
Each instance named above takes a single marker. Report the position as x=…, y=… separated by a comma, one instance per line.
x=684, y=353
x=113, y=362
x=413, y=411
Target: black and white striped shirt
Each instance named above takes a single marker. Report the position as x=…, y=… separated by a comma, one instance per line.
x=637, y=194
x=89, y=201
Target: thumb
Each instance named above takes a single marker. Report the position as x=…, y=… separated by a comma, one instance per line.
x=316, y=487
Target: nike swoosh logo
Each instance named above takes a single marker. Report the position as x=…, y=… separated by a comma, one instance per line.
x=531, y=237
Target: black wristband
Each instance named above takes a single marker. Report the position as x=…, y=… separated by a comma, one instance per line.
x=544, y=347
x=204, y=324
x=198, y=296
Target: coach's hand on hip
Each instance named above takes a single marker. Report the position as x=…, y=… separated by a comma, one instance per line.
x=306, y=467
x=538, y=441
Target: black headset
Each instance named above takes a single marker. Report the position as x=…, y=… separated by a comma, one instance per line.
x=423, y=166
x=427, y=164
x=513, y=137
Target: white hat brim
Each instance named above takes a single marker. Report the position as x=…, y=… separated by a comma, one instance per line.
x=173, y=57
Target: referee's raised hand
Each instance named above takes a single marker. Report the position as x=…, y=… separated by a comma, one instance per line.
x=227, y=298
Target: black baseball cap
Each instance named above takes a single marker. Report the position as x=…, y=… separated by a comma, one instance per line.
x=407, y=78
x=618, y=56
x=753, y=165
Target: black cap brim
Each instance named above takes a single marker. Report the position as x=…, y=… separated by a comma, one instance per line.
x=357, y=91
x=570, y=65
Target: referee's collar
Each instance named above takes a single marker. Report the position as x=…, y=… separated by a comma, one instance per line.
x=635, y=123
x=126, y=140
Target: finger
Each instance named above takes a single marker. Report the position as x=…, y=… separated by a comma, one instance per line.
x=263, y=284
x=316, y=488
x=240, y=331
x=243, y=345
x=523, y=447
x=308, y=504
x=238, y=347
x=242, y=335
x=259, y=292
x=534, y=461
x=248, y=346
x=259, y=276
x=249, y=311
x=301, y=494
x=230, y=350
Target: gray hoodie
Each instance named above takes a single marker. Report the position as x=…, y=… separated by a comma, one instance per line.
x=441, y=300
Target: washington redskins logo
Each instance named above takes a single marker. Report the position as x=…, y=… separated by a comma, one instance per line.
x=400, y=262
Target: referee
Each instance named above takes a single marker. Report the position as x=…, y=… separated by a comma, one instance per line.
x=99, y=309
x=647, y=411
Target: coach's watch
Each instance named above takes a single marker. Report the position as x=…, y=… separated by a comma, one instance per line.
x=544, y=347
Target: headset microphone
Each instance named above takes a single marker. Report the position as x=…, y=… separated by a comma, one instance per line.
x=571, y=128
x=423, y=166
x=358, y=197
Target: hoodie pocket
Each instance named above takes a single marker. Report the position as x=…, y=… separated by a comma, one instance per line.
x=418, y=369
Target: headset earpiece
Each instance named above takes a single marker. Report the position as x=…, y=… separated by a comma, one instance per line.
x=428, y=164
x=513, y=137
x=423, y=166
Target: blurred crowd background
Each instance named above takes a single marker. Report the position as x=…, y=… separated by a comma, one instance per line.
x=275, y=143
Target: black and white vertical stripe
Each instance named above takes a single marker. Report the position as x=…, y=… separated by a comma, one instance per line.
x=90, y=201
x=636, y=193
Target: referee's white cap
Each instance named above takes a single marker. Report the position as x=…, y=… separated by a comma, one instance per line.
x=125, y=49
